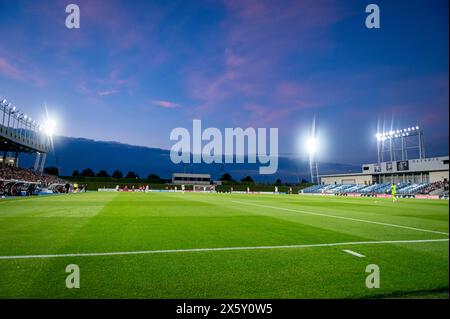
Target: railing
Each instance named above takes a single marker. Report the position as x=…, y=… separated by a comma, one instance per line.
x=402, y=188
x=21, y=129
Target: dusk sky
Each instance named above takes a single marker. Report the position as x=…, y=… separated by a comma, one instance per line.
x=135, y=70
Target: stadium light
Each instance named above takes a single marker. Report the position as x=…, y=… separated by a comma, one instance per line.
x=50, y=127
x=408, y=131
x=311, y=145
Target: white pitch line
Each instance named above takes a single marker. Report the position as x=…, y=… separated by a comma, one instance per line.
x=354, y=253
x=145, y=252
x=342, y=217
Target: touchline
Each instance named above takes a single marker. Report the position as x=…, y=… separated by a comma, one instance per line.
x=261, y=148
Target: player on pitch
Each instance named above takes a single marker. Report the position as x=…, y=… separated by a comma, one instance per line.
x=394, y=192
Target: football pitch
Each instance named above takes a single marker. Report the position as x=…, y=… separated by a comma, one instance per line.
x=195, y=245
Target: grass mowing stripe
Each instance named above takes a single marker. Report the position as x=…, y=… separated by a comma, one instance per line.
x=342, y=217
x=143, y=252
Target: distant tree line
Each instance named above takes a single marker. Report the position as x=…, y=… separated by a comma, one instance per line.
x=226, y=178
x=88, y=172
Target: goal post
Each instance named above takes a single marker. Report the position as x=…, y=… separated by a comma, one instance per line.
x=204, y=188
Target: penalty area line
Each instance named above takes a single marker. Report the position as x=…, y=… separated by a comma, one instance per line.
x=354, y=253
x=343, y=217
x=166, y=251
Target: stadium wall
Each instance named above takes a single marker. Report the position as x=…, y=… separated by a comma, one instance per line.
x=438, y=176
x=347, y=179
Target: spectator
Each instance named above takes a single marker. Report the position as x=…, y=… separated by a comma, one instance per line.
x=434, y=186
x=13, y=173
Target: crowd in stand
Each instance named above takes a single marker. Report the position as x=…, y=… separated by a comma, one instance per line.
x=13, y=173
x=435, y=186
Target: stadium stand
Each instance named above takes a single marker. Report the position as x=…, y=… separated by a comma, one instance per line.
x=313, y=189
x=374, y=188
x=355, y=188
x=19, y=181
x=412, y=189
x=436, y=188
x=8, y=172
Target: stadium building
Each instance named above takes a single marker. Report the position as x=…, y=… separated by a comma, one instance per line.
x=19, y=133
x=426, y=170
x=191, y=179
x=418, y=177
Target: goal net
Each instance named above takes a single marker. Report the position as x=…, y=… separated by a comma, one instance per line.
x=204, y=188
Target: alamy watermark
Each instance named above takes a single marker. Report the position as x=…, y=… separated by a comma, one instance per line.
x=373, y=19
x=238, y=146
x=73, y=19
x=73, y=279
x=373, y=279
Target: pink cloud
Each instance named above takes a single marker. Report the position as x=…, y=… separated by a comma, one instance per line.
x=313, y=13
x=248, y=9
x=434, y=118
x=166, y=104
x=259, y=115
x=106, y=93
x=287, y=89
x=257, y=38
x=115, y=79
x=9, y=70
x=233, y=60
x=111, y=16
x=110, y=84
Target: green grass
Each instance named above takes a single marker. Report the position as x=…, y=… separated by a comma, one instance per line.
x=124, y=222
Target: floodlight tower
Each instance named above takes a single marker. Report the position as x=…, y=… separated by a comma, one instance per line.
x=49, y=129
x=311, y=146
x=409, y=138
x=21, y=133
x=313, y=167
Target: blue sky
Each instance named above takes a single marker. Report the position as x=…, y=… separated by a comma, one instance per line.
x=137, y=69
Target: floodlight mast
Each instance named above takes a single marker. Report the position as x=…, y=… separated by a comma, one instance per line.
x=311, y=145
x=313, y=167
x=409, y=138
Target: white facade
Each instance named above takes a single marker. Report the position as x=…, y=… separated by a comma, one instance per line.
x=409, y=166
x=438, y=176
x=347, y=179
x=191, y=179
x=427, y=170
